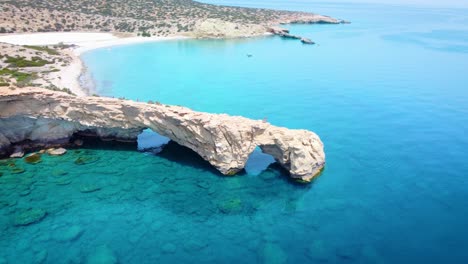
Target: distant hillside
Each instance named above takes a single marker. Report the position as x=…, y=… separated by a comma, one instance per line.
x=144, y=17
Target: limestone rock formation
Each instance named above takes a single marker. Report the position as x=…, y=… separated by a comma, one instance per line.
x=307, y=41
x=277, y=30
x=40, y=116
x=284, y=33
x=307, y=18
x=216, y=28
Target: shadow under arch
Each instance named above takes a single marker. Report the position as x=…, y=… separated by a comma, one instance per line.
x=174, y=152
x=198, y=190
x=263, y=158
x=202, y=192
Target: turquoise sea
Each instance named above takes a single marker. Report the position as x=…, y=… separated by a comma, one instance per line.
x=387, y=94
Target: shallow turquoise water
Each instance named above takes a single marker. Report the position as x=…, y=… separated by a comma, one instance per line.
x=387, y=95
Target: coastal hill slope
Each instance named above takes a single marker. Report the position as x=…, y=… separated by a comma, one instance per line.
x=38, y=66
x=142, y=17
x=33, y=117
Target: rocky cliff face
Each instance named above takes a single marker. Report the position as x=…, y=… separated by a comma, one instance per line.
x=218, y=28
x=44, y=116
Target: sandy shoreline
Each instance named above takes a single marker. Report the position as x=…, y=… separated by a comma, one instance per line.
x=69, y=76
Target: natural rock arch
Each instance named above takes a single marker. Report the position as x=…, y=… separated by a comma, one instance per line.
x=224, y=141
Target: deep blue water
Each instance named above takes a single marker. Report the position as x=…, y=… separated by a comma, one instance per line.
x=388, y=95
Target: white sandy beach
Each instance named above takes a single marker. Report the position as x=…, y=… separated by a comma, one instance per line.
x=69, y=77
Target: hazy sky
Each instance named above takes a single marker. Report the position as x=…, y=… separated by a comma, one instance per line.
x=437, y=3
x=428, y=3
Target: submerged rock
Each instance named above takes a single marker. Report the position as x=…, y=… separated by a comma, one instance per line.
x=63, y=181
x=29, y=216
x=156, y=225
x=203, y=184
x=102, y=255
x=17, y=170
x=33, y=158
x=142, y=196
x=87, y=188
x=59, y=173
x=7, y=203
x=307, y=41
x=69, y=234
x=41, y=257
x=231, y=206
x=57, y=152
x=347, y=253
x=85, y=160
x=194, y=245
x=25, y=192
x=169, y=248
x=272, y=253
x=135, y=236
x=127, y=186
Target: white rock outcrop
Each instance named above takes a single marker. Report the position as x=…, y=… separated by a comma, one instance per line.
x=40, y=115
x=216, y=28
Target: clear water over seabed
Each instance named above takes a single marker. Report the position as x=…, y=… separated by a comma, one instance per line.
x=387, y=95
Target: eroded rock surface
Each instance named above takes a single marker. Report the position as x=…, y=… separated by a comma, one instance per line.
x=218, y=28
x=48, y=117
x=284, y=33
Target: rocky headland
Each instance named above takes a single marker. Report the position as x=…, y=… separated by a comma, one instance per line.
x=39, y=118
x=35, y=118
x=146, y=18
x=284, y=33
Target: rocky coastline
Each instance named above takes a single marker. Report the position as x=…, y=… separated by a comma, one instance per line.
x=284, y=33
x=37, y=119
x=145, y=18
x=45, y=118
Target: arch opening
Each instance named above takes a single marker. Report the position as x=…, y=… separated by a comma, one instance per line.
x=151, y=142
x=258, y=162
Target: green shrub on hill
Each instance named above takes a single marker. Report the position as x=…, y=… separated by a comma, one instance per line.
x=44, y=49
x=22, y=62
x=19, y=76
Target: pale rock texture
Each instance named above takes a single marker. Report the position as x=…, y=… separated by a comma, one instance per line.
x=17, y=153
x=307, y=18
x=56, y=152
x=216, y=28
x=44, y=116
